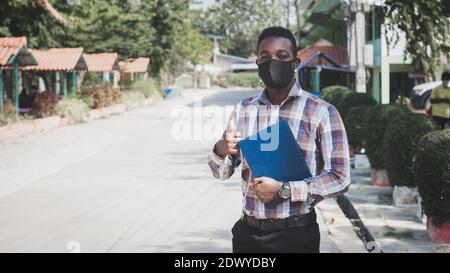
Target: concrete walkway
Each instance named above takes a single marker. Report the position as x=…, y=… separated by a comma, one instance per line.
x=397, y=230
x=121, y=184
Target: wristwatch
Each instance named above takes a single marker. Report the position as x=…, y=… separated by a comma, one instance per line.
x=285, y=191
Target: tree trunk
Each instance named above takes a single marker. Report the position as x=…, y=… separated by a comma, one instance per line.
x=288, y=13
x=297, y=16
x=52, y=11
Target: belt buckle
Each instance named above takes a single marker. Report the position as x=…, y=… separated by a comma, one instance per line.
x=267, y=225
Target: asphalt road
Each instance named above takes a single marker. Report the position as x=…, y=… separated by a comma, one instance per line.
x=122, y=184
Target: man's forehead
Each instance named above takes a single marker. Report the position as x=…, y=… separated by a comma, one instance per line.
x=275, y=43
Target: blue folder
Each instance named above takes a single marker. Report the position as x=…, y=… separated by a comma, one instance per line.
x=273, y=152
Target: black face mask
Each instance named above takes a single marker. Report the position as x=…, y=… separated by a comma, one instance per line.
x=275, y=73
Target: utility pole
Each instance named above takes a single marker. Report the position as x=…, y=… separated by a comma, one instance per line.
x=356, y=40
x=216, y=51
x=360, y=23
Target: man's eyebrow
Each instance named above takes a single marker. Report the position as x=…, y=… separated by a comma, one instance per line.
x=282, y=50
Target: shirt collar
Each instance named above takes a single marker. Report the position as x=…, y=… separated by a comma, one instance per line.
x=295, y=92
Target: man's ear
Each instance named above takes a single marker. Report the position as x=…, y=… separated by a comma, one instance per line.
x=298, y=61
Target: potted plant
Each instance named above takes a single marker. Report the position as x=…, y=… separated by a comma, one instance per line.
x=399, y=150
x=432, y=173
x=376, y=121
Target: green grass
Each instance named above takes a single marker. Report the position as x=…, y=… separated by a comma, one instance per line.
x=392, y=232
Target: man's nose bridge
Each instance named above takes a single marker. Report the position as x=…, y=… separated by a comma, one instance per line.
x=275, y=57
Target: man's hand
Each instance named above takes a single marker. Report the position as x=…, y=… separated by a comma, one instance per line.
x=266, y=188
x=228, y=145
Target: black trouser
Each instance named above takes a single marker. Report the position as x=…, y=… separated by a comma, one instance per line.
x=441, y=121
x=248, y=239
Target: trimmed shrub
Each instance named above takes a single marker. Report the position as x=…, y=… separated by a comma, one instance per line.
x=8, y=115
x=76, y=110
x=44, y=105
x=355, y=99
x=400, y=146
x=148, y=88
x=132, y=99
x=112, y=94
x=92, y=78
x=223, y=81
x=354, y=125
x=432, y=173
x=125, y=84
x=334, y=94
x=243, y=79
x=100, y=95
x=377, y=120
x=96, y=97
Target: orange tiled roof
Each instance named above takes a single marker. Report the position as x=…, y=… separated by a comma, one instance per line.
x=13, y=41
x=135, y=65
x=102, y=62
x=58, y=59
x=9, y=46
x=337, y=53
x=6, y=53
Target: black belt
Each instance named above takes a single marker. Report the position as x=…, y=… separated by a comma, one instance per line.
x=271, y=225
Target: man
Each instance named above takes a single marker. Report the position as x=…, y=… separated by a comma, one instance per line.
x=440, y=101
x=278, y=216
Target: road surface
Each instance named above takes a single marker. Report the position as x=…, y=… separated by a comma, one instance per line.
x=121, y=184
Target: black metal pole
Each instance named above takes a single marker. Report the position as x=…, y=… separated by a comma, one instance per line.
x=358, y=226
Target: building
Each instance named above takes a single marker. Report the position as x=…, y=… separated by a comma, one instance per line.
x=14, y=54
x=324, y=64
x=105, y=63
x=57, y=67
x=384, y=70
x=226, y=62
x=134, y=69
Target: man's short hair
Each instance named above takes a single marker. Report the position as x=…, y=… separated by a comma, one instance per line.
x=278, y=32
x=445, y=76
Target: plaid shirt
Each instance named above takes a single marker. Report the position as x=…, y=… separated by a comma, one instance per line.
x=319, y=132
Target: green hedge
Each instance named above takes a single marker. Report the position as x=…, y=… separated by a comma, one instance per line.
x=8, y=115
x=354, y=125
x=132, y=99
x=400, y=146
x=432, y=173
x=148, y=87
x=376, y=121
x=243, y=79
x=75, y=109
x=334, y=94
x=100, y=95
x=246, y=79
x=355, y=99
